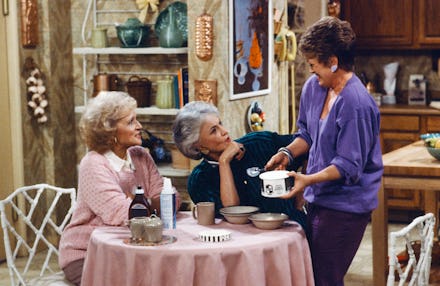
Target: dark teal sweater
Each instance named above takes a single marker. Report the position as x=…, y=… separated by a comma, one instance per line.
x=204, y=181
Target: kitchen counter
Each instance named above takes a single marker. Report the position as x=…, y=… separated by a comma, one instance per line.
x=400, y=109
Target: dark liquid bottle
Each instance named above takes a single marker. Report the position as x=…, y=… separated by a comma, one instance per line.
x=139, y=206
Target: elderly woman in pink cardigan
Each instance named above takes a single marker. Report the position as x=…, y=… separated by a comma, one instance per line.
x=108, y=175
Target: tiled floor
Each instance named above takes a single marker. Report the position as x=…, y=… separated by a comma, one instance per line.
x=359, y=274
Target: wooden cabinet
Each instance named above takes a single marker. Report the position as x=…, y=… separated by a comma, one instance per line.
x=427, y=22
x=400, y=126
x=384, y=24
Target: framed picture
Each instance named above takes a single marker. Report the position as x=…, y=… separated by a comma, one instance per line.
x=250, y=48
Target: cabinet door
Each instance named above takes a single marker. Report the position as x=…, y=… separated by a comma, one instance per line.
x=428, y=22
x=380, y=23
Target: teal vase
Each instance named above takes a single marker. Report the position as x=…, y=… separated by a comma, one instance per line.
x=171, y=36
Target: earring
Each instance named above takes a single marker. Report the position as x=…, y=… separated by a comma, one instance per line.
x=333, y=68
x=204, y=151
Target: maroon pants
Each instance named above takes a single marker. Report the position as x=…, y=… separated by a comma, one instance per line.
x=334, y=237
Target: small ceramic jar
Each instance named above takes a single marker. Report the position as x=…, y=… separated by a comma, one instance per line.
x=153, y=229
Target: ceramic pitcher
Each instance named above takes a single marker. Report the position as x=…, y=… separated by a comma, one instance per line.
x=170, y=36
x=165, y=93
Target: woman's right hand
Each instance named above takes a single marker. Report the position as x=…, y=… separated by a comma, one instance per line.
x=279, y=161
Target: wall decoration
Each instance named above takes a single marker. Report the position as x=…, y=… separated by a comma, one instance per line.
x=256, y=116
x=204, y=36
x=250, y=30
x=36, y=91
x=29, y=23
x=206, y=90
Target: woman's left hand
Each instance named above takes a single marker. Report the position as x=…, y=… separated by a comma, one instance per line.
x=301, y=181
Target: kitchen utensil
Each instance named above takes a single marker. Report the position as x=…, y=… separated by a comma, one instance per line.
x=254, y=171
x=104, y=82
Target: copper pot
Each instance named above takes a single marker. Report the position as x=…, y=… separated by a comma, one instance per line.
x=104, y=82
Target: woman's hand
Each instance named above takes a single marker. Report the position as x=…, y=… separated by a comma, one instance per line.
x=279, y=161
x=301, y=181
x=234, y=150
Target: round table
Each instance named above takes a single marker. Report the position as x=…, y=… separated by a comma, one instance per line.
x=251, y=257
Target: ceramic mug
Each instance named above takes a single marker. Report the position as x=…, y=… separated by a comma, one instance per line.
x=204, y=213
x=99, y=38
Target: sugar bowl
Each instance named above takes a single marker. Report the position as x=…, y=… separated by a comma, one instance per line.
x=146, y=229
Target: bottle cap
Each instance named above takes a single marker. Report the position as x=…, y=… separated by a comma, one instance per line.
x=139, y=190
x=167, y=187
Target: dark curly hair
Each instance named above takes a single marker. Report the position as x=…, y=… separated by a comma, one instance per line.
x=329, y=37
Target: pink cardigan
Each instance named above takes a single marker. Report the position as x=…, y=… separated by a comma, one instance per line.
x=102, y=198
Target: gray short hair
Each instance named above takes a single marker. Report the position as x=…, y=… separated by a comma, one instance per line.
x=186, y=127
x=98, y=122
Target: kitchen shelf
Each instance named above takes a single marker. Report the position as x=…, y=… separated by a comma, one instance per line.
x=129, y=51
x=153, y=110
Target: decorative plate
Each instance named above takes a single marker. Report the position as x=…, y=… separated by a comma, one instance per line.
x=180, y=10
x=166, y=239
x=256, y=116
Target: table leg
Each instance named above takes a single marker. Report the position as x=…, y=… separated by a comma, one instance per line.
x=431, y=206
x=380, y=238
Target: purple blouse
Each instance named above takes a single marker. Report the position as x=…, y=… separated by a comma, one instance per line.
x=347, y=138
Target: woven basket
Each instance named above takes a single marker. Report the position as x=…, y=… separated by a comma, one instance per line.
x=140, y=89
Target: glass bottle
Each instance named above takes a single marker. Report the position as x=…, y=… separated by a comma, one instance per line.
x=139, y=207
x=171, y=36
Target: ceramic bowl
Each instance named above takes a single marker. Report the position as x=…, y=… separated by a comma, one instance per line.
x=268, y=220
x=133, y=34
x=435, y=152
x=238, y=214
x=430, y=141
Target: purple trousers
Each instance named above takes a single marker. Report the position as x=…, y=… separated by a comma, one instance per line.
x=334, y=237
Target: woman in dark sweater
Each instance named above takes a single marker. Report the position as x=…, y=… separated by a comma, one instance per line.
x=221, y=175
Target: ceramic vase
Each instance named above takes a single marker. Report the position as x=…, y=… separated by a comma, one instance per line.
x=171, y=36
x=165, y=93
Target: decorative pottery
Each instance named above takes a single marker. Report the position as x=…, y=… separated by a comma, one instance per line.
x=133, y=34
x=171, y=36
x=165, y=93
x=180, y=14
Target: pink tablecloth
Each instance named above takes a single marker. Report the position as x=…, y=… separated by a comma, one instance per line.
x=251, y=257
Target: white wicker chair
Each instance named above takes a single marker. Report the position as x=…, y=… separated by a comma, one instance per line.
x=418, y=267
x=33, y=218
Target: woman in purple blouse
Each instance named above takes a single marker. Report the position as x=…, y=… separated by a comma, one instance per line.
x=338, y=124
